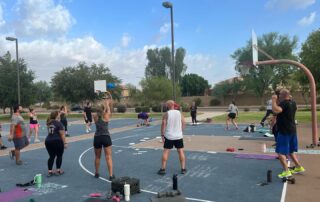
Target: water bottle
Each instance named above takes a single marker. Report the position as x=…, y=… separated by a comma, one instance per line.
x=127, y=192
x=175, y=182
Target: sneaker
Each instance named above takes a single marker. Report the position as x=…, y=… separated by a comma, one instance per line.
x=162, y=171
x=3, y=147
x=297, y=170
x=50, y=174
x=96, y=175
x=183, y=171
x=285, y=174
x=87, y=131
x=19, y=163
x=11, y=154
x=59, y=172
x=36, y=141
x=112, y=177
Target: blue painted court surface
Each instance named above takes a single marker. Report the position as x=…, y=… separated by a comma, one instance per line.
x=210, y=177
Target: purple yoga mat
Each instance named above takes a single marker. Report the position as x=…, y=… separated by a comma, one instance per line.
x=256, y=156
x=14, y=194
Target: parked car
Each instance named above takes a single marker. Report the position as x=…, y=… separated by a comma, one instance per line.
x=76, y=107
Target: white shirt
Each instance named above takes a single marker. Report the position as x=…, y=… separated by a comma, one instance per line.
x=232, y=108
x=174, y=125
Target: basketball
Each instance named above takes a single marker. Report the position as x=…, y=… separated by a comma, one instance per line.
x=110, y=86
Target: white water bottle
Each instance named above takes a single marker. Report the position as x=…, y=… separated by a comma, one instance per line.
x=127, y=192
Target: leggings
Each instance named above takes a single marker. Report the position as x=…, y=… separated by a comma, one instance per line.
x=194, y=117
x=55, y=149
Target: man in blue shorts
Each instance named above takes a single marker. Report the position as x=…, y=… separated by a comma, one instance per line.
x=287, y=142
x=145, y=117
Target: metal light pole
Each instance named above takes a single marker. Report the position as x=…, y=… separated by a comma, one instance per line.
x=17, y=62
x=169, y=5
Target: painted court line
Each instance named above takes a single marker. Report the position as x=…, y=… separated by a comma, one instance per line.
x=284, y=190
x=143, y=190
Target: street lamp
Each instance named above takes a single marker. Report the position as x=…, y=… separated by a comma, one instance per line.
x=17, y=61
x=169, y=5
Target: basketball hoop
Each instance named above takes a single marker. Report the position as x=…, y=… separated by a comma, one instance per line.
x=244, y=67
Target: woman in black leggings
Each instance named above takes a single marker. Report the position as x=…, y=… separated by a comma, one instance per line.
x=55, y=143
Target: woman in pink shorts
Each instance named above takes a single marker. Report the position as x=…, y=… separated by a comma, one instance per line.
x=34, y=125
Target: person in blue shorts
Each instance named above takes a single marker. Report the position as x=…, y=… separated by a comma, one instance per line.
x=145, y=117
x=287, y=142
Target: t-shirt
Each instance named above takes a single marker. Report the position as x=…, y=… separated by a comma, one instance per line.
x=88, y=111
x=174, y=125
x=232, y=108
x=286, y=119
x=54, y=129
x=143, y=115
x=269, y=104
x=193, y=109
x=19, y=126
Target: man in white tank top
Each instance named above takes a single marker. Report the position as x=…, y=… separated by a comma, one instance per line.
x=171, y=132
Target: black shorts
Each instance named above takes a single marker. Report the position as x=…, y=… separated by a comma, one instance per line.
x=232, y=115
x=88, y=120
x=168, y=144
x=102, y=141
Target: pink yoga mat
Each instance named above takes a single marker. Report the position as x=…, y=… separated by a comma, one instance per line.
x=14, y=194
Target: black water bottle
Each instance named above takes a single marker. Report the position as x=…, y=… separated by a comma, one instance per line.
x=269, y=176
x=175, y=182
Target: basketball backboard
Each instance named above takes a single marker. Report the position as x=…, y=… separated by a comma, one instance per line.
x=100, y=86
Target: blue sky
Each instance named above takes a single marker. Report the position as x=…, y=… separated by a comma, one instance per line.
x=57, y=33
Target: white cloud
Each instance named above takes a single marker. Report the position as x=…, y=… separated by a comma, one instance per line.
x=288, y=4
x=2, y=21
x=125, y=40
x=307, y=20
x=212, y=68
x=42, y=18
x=165, y=28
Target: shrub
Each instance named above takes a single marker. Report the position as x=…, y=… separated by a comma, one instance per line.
x=55, y=107
x=215, y=102
x=246, y=109
x=156, y=108
x=138, y=109
x=46, y=105
x=145, y=109
x=185, y=107
x=198, y=101
x=121, y=108
x=262, y=108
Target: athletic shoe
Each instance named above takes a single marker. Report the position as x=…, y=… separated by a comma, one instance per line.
x=19, y=163
x=285, y=174
x=59, y=172
x=3, y=147
x=162, y=171
x=96, y=175
x=11, y=154
x=50, y=174
x=183, y=171
x=112, y=177
x=297, y=170
x=36, y=140
x=87, y=131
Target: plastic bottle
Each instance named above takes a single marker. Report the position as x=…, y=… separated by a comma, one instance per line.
x=127, y=192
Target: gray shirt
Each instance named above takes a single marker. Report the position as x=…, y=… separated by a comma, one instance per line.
x=102, y=128
x=19, y=126
x=233, y=109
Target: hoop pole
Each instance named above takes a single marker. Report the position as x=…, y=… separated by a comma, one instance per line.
x=312, y=91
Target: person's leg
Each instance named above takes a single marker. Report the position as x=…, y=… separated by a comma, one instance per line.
x=165, y=156
x=182, y=158
x=108, y=156
x=59, y=150
x=234, y=123
x=52, y=155
x=30, y=132
x=17, y=155
x=282, y=149
x=227, y=123
x=36, y=133
x=97, y=154
x=283, y=161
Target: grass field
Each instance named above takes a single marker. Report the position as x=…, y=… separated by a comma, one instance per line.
x=255, y=117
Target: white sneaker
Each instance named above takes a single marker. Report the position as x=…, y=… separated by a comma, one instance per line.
x=87, y=131
x=36, y=140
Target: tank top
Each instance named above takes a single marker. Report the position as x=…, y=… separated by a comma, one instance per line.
x=102, y=128
x=174, y=125
x=33, y=119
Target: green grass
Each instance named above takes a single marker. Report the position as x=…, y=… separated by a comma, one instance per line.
x=255, y=117
x=6, y=117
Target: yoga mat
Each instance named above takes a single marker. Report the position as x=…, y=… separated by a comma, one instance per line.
x=256, y=156
x=98, y=200
x=14, y=194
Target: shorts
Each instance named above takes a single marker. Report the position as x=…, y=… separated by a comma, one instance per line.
x=33, y=125
x=88, y=120
x=286, y=144
x=168, y=144
x=20, y=143
x=232, y=115
x=102, y=141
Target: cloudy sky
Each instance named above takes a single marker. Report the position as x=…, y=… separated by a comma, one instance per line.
x=57, y=33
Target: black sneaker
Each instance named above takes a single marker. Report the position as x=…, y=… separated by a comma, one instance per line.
x=11, y=154
x=183, y=171
x=3, y=147
x=262, y=124
x=112, y=177
x=96, y=175
x=162, y=171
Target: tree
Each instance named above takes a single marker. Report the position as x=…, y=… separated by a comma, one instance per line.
x=159, y=63
x=156, y=90
x=43, y=93
x=76, y=84
x=135, y=93
x=309, y=55
x=8, y=82
x=193, y=85
x=267, y=77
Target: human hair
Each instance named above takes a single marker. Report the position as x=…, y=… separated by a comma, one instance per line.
x=170, y=104
x=62, y=108
x=88, y=103
x=31, y=110
x=53, y=116
x=233, y=102
x=16, y=108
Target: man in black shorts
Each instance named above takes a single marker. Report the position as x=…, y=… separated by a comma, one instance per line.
x=171, y=133
x=87, y=114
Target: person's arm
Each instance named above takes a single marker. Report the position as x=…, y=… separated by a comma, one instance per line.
x=66, y=109
x=107, y=111
x=10, y=137
x=237, y=111
x=62, y=135
x=275, y=108
x=85, y=114
x=164, y=125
